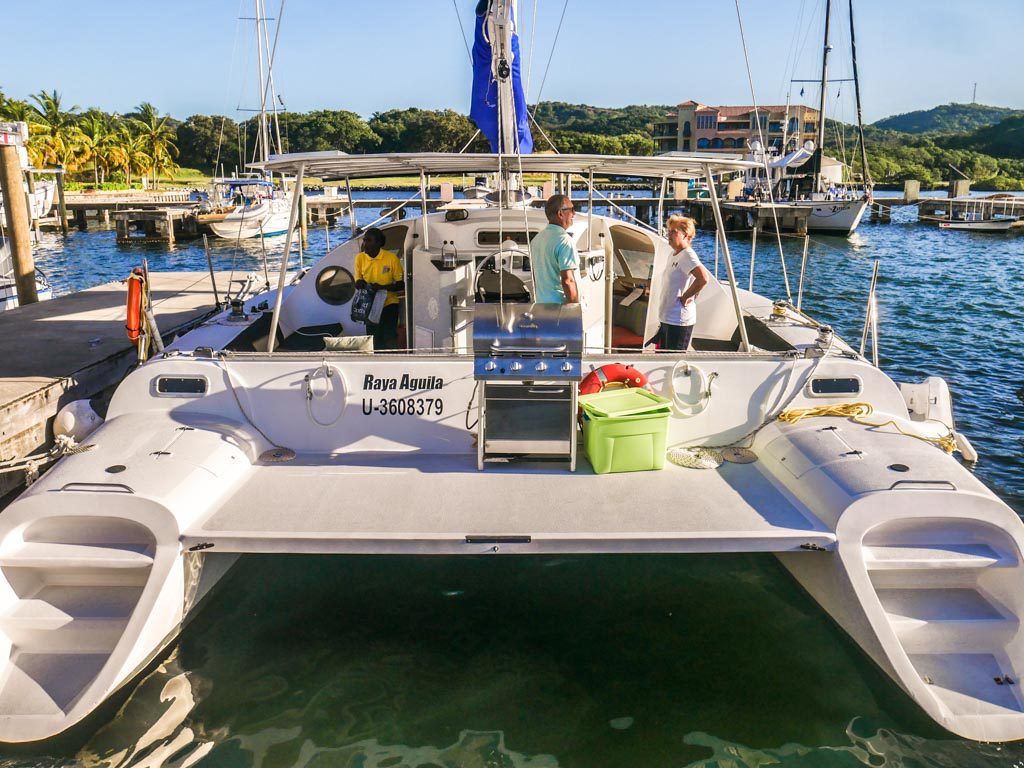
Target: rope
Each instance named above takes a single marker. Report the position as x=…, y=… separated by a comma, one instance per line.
x=856, y=413
x=63, y=445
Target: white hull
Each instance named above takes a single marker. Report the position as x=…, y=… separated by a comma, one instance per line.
x=9, y=293
x=986, y=225
x=268, y=219
x=40, y=202
x=839, y=217
x=918, y=561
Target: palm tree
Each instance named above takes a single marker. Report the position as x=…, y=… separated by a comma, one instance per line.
x=128, y=153
x=18, y=111
x=98, y=138
x=158, y=138
x=56, y=137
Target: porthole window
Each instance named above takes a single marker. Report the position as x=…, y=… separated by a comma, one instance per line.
x=335, y=285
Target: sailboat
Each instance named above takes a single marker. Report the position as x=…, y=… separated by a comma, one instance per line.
x=270, y=429
x=807, y=178
x=252, y=206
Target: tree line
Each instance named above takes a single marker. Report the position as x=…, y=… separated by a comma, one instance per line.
x=95, y=143
x=99, y=147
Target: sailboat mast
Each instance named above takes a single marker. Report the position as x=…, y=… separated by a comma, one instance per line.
x=860, y=121
x=501, y=27
x=824, y=89
x=264, y=133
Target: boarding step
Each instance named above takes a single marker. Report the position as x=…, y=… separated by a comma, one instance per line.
x=53, y=555
x=946, y=620
x=47, y=683
x=971, y=684
x=928, y=556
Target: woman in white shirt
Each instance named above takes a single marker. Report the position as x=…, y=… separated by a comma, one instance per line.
x=684, y=279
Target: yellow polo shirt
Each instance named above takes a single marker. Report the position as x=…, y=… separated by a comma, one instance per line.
x=382, y=269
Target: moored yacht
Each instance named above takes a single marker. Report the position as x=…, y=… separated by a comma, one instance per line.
x=252, y=206
x=274, y=427
x=805, y=179
x=245, y=208
x=251, y=433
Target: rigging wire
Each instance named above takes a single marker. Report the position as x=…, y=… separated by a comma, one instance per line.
x=231, y=74
x=462, y=29
x=551, y=55
x=764, y=156
x=471, y=140
x=529, y=63
x=791, y=57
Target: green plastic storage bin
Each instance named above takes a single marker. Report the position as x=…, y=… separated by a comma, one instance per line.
x=624, y=430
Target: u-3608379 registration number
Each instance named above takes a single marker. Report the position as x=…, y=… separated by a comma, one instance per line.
x=403, y=406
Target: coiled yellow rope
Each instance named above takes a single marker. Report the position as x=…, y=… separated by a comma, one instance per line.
x=856, y=413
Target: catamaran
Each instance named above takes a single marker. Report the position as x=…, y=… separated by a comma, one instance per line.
x=264, y=430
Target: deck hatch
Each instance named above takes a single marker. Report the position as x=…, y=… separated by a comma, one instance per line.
x=182, y=386
x=830, y=386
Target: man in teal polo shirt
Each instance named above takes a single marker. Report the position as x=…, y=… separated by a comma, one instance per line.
x=554, y=257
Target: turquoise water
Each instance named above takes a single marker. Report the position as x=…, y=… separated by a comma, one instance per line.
x=576, y=661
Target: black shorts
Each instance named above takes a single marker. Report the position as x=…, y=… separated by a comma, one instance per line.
x=674, y=337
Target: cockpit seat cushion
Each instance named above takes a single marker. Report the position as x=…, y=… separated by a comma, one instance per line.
x=348, y=343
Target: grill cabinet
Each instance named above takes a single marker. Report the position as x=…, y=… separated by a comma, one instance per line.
x=527, y=359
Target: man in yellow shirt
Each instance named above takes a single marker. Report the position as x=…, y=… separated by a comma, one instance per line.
x=382, y=271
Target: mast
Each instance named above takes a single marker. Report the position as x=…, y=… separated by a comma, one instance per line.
x=860, y=121
x=264, y=132
x=824, y=88
x=500, y=27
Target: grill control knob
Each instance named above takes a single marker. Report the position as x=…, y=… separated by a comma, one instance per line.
x=516, y=366
x=566, y=367
x=491, y=365
x=542, y=366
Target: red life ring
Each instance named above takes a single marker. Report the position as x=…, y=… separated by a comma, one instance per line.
x=134, y=309
x=614, y=373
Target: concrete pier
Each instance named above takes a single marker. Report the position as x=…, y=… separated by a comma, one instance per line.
x=75, y=347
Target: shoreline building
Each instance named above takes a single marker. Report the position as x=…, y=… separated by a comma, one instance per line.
x=696, y=127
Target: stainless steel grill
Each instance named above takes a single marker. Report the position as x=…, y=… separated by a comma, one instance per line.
x=527, y=358
x=524, y=342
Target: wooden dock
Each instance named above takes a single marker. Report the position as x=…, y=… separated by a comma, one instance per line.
x=140, y=225
x=934, y=209
x=74, y=347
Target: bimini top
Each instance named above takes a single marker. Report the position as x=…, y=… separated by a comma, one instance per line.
x=339, y=165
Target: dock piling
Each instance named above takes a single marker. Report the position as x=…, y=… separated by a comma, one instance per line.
x=18, y=224
x=62, y=206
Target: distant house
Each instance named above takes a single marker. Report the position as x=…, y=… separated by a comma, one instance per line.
x=696, y=127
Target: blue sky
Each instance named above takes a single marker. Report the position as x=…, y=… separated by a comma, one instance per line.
x=194, y=56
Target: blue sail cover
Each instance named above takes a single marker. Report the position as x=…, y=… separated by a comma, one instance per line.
x=484, y=108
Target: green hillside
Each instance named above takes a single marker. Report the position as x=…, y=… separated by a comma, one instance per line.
x=581, y=118
x=1005, y=139
x=947, y=118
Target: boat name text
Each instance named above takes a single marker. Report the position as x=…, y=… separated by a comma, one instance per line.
x=406, y=383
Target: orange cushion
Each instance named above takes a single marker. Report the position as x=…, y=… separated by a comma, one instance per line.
x=623, y=337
